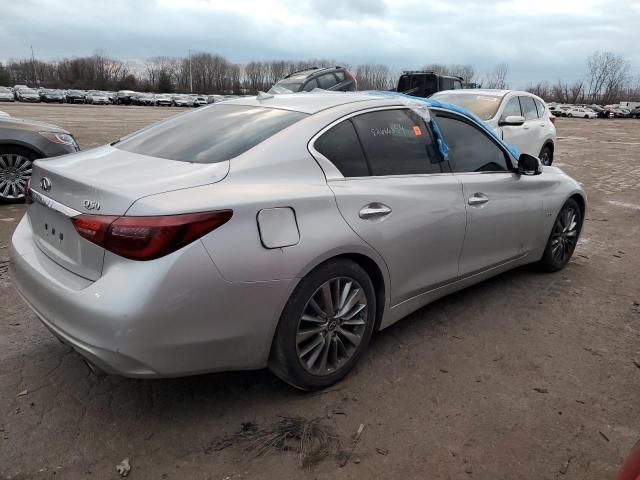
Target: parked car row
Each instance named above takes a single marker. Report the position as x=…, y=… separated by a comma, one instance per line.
x=23, y=93
x=593, y=111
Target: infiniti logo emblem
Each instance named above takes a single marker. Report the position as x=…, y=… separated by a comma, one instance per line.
x=45, y=184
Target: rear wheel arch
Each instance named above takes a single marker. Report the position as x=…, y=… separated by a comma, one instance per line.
x=285, y=359
x=373, y=270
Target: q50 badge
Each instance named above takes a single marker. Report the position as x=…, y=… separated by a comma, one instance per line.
x=91, y=205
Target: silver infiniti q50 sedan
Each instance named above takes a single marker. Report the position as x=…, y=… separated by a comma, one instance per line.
x=279, y=231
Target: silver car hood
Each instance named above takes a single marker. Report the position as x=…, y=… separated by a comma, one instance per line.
x=114, y=179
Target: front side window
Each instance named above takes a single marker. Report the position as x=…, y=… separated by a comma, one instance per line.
x=470, y=149
x=529, y=108
x=512, y=108
x=341, y=146
x=396, y=142
x=210, y=135
x=311, y=84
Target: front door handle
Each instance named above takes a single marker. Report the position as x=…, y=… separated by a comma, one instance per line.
x=374, y=210
x=478, y=199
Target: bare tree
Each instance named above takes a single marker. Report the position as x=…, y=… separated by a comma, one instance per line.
x=607, y=74
x=497, y=78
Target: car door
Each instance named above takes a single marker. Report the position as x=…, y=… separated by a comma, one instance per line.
x=528, y=137
x=513, y=134
x=394, y=194
x=504, y=210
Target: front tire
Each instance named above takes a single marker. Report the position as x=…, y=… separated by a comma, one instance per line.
x=325, y=327
x=15, y=170
x=564, y=237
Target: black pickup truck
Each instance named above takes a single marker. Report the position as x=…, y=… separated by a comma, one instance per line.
x=419, y=83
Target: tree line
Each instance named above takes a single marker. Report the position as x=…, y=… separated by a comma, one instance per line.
x=607, y=78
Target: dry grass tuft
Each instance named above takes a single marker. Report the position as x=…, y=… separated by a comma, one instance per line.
x=313, y=440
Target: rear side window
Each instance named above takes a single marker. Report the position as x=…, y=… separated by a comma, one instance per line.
x=446, y=84
x=396, y=142
x=210, y=135
x=340, y=145
x=457, y=85
x=529, y=108
x=470, y=150
x=541, y=107
x=326, y=81
x=339, y=75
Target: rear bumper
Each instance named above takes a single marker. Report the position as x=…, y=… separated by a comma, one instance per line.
x=172, y=316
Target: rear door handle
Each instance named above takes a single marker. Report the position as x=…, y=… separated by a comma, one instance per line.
x=374, y=210
x=478, y=199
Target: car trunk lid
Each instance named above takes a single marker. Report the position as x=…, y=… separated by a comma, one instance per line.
x=102, y=181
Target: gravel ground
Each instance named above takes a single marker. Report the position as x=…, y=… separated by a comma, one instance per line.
x=526, y=376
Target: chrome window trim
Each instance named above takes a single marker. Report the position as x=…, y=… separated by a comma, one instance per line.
x=331, y=172
x=53, y=204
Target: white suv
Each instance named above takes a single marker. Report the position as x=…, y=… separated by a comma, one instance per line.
x=520, y=118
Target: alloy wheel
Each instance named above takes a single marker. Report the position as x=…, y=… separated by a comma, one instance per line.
x=15, y=170
x=564, y=236
x=332, y=326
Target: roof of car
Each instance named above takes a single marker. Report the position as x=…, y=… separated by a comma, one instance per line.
x=485, y=91
x=306, y=102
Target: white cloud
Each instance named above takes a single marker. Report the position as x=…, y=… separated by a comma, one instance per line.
x=539, y=39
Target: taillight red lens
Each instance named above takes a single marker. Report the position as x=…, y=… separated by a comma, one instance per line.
x=146, y=238
x=553, y=119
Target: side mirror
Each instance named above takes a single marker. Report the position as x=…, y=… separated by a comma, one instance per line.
x=512, y=120
x=529, y=165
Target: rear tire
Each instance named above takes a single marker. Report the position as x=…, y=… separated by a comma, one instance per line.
x=16, y=164
x=546, y=155
x=325, y=327
x=563, y=238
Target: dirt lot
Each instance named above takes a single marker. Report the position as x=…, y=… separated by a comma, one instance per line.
x=526, y=376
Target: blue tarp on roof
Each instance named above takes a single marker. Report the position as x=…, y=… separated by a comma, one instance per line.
x=454, y=108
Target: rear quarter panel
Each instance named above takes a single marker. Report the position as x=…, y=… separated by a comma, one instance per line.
x=279, y=172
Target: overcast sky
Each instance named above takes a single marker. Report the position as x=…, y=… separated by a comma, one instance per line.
x=539, y=39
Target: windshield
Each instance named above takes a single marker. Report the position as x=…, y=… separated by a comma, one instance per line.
x=27, y=90
x=482, y=105
x=286, y=86
x=210, y=135
x=4, y=90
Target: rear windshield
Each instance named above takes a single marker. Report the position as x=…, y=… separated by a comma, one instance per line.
x=484, y=106
x=213, y=134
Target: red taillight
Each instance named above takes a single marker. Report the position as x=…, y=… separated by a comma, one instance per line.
x=146, y=238
x=553, y=119
x=27, y=192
